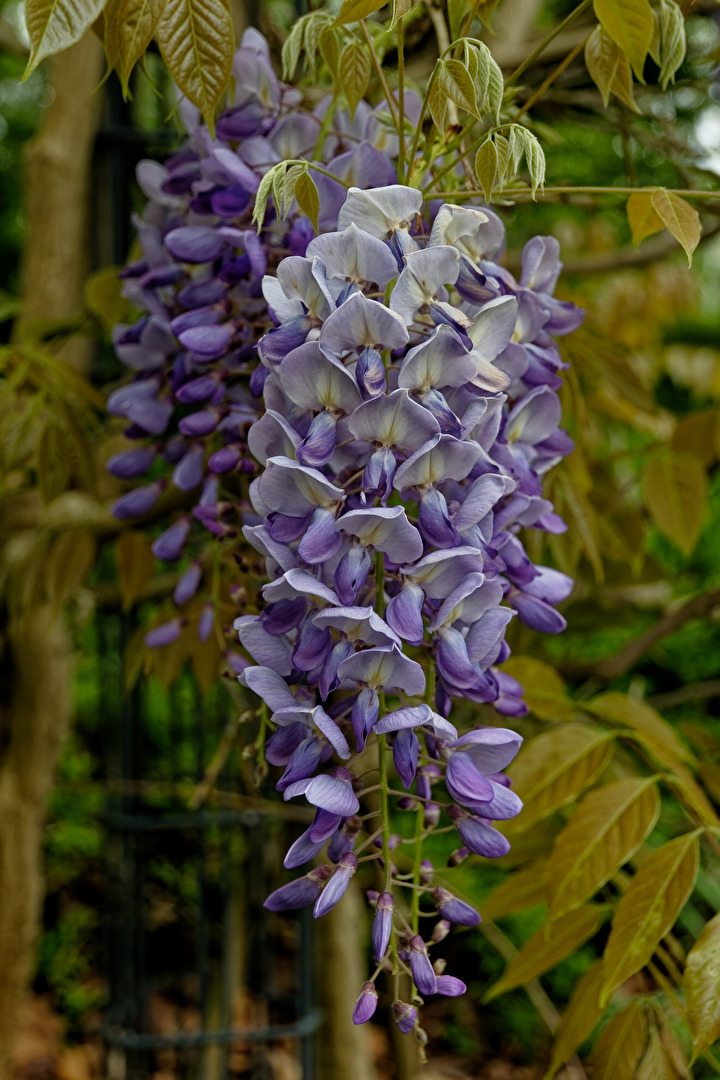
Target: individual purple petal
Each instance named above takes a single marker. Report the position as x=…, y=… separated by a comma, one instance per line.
x=360, y=323
x=293, y=489
x=270, y=686
x=416, y=716
x=470, y=599
x=224, y=460
x=405, y=1016
x=268, y=650
x=334, y=793
x=504, y=804
x=280, y=747
x=352, y=573
x=336, y=886
x=440, y=572
x=384, y=669
x=442, y=360
x=328, y=676
x=189, y=471
x=311, y=647
x=298, y=893
x=482, y=838
x=132, y=463
x=393, y=420
x=481, y=497
x=302, y=850
x=454, y=910
x=453, y=661
x=314, y=380
x=449, y=986
x=364, y=715
x=549, y=585
x=370, y=374
x=434, y=520
x=296, y=583
x=169, y=545
x=422, y=970
x=536, y=613
x=324, y=825
x=387, y=529
x=366, y=1004
x=200, y=423
x=465, y=784
x=208, y=342
x=301, y=764
x=492, y=328
x=304, y=280
x=283, y=616
x=138, y=502
x=485, y=637
x=272, y=436
x=194, y=243
x=165, y=634
x=380, y=211
x=441, y=458
x=404, y=613
x=322, y=540
x=318, y=446
x=355, y=256
x=534, y=418
x=382, y=925
x=541, y=264
x=206, y=622
x=491, y=749
x=188, y=584
x=331, y=731
x=425, y=274
x=406, y=749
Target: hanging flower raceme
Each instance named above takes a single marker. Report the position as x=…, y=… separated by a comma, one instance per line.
x=406, y=433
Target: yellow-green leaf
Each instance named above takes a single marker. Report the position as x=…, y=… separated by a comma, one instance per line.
x=486, y=163
x=521, y=890
x=354, y=10
x=548, y=946
x=553, y=768
x=437, y=104
x=54, y=25
x=642, y=216
x=400, y=8
x=622, y=1044
x=601, y=59
x=673, y=43
x=676, y=493
x=455, y=82
x=630, y=24
x=330, y=48
x=649, y=908
x=307, y=197
x=625, y=711
x=354, y=70
x=544, y=689
x=71, y=558
x=196, y=40
x=698, y=433
x=103, y=297
x=135, y=565
x=579, y=1019
x=131, y=24
x=680, y=218
x=605, y=831
x=656, y=1065
x=622, y=84
x=702, y=987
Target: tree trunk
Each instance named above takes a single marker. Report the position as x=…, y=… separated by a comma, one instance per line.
x=56, y=257
x=35, y=655
x=33, y=723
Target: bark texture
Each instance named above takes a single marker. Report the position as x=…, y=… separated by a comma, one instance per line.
x=56, y=258
x=34, y=718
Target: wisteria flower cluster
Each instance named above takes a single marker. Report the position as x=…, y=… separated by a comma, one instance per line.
x=411, y=414
x=192, y=355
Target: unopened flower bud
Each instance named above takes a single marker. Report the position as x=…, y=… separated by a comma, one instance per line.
x=432, y=815
x=366, y=1004
x=458, y=856
x=440, y=931
x=420, y=966
x=382, y=925
x=405, y=1016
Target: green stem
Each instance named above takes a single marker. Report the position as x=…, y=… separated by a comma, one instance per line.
x=417, y=868
x=325, y=127
x=453, y=164
x=392, y=103
x=401, y=97
x=540, y=49
x=549, y=191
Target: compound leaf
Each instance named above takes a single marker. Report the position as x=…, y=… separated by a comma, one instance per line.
x=54, y=25
x=702, y=987
x=196, y=40
x=630, y=24
x=622, y=1043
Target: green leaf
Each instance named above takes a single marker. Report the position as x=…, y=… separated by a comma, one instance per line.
x=630, y=24
x=649, y=908
x=601, y=59
x=642, y=216
x=579, y=1019
x=622, y=84
x=486, y=163
x=625, y=711
x=437, y=103
x=54, y=25
x=135, y=565
x=131, y=24
x=330, y=47
x=656, y=1064
x=521, y=890
x=548, y=946
x=673, y=42
x=605, y=831
x=621, y=1044
x=679, y=218
x=70, y=561
x=455, y=82
x=307, y=197
x=354, y=71
x=535, y=157
x=553, y=768
x=676, y=493
x=698, y=433
x=516, y=146
x=354, y=10
x=400, y=8
x=545, y=691
x=292, y=47
x=486, y=75
x=261, y=198
x=701, y=982
x=503, y=157
x=196, y=41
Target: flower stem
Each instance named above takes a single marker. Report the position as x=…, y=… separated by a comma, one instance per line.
x=392, y=104
x=401, y=98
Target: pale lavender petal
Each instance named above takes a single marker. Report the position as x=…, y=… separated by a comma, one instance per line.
x=536, y=613
x=480, y=498
x=482, y=838
x=313, y=380
x=362, y=323
x=404, y=613
x=336, y=886
x=194, y=243
x=355, y=256
x=270, y=686
x=426, y=272
x=268, y=650
x=359, y=624
x=393, y=420
x=449, y=986
x=387, y=529
x=550, y=585
x=439, y=572
x=441, y=458
x=272, y=436
x=302, y=850
x=416, y=716
x=331, y=731
x=465, y=784
x=294, y=489
x=492, y=328
x=322, y=540
x=484, y=637
x=504, y=803
x=328, y=793
x=534, y=418
x=380, y=211
x=442, y=360
x=541, y=264
x=384, y=669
